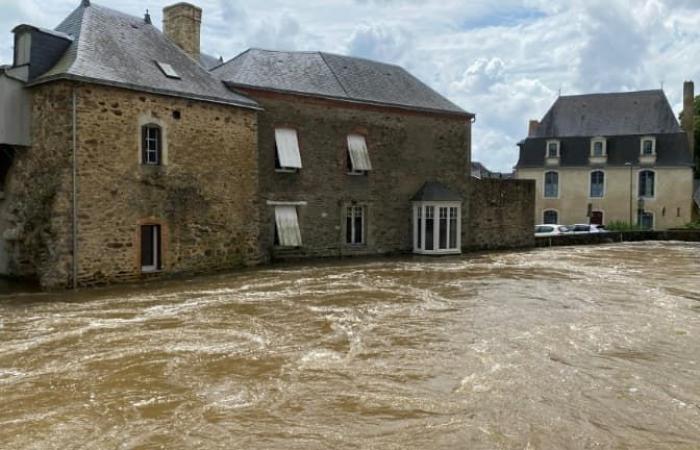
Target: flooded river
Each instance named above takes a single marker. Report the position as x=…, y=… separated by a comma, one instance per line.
x=588, y=347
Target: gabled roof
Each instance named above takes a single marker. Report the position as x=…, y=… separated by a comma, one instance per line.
x=433, y=191
x=617, y=114
x=333, y=76
x=113, y=48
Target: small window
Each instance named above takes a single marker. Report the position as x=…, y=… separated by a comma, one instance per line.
x=23, y=44
x=551, y=185
x=151, y=260
x=151, y=145
x=648, y=146
x=287, y=231
x=551, y=217
x=355, y=225
x=436, y=228
x=645, y=220
x=287, y=156
x=552, y=149
x=358, y=155
x=647, y=183
x=597, y=189
x=168, y=70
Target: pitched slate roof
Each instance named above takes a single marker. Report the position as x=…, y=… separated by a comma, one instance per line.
x=433, y=191
x=333, y=76
x=208, y=61
x=114, y=48
x=617, y=114
x=672, y=149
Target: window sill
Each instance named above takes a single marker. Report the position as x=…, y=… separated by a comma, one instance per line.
x=647, y=159
x=360, y=173
x=552, y=161
x=437, y=252
x=287, y=170
x=150, y=271
x=597, y=159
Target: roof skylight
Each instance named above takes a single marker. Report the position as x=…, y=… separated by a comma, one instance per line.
x=168, y=70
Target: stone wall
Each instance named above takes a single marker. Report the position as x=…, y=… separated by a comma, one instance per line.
x=204, y=196
x=406, y=149
x=617, y=236
x=501, y=214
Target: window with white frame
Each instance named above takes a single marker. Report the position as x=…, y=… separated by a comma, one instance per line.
x=287, y=231
x=597, y=189
x=23, y=45
x=551, y=184
x=598, y=147
x=647, y=182
x=358, y=155
x=648, y=146
x=645, y=220
x=551, y=217
x=287, y=156
x=151, y=144
x=553, y=149
x=355, y=225
x=436, y=227
x=151, y=256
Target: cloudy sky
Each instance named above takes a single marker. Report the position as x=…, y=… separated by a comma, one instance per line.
x=505, y=60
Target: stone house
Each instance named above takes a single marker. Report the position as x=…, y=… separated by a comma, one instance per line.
x=129, y=154
x=612, y=157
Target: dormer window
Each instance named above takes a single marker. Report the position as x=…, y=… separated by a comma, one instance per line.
x=553, y=149
x=598, y=147
x=23, y=44
x=648, y=146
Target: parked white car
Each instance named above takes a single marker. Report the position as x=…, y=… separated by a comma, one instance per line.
x=550, y=230
x=582, y=228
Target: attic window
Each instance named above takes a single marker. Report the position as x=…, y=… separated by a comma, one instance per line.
x=167, y=70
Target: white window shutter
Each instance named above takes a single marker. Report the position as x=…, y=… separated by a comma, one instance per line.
x=359, y=155
x=287, y=222
x=288, y=148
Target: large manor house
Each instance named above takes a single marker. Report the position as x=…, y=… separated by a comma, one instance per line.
x=128, y=154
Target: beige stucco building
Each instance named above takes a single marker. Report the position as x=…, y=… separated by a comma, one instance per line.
x=611, y=157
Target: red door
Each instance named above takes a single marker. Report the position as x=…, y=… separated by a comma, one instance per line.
x=597, y=218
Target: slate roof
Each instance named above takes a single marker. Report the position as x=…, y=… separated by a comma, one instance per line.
x=433, y=191
x=113, y=48
x=671, y=150
x=209, y=62
x=333, y=76
x=617, y=114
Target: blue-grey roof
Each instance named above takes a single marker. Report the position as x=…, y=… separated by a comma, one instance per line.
x=117, y=49
x=616, y=114
x=209, y=62
x=333, y=76
x=433, y=191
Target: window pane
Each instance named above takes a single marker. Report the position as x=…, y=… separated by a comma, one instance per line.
x=646, y=183
x=453, y=228
x=419, y=225
x=648, y=147
x=551, y=184
x=552, y=150
x=147, y=244
x=358, y=226
x=551, y=217
x=597, y=184
x=348, y=226
x=429, y=228
x=598, y=149
x=442, y=233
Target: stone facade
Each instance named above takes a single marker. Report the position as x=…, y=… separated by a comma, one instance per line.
x=182, y=23
x=501, y=214
x=406, y=149
x=203, y=196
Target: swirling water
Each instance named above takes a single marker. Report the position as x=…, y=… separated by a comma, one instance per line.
x=586, y=347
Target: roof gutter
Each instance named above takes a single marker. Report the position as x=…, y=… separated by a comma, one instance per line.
x=466, y=114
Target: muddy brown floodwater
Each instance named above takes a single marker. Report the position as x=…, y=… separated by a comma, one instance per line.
x=588, y=347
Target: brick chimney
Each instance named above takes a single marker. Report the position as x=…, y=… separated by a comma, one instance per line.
x=688, y=121
x=182, y=23
x=532, y=128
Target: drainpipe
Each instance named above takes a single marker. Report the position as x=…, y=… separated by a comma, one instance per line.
x=75, y=192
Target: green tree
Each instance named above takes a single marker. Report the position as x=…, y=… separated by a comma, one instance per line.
x=696, y=150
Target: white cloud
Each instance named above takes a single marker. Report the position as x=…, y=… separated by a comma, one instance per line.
x=504, y=60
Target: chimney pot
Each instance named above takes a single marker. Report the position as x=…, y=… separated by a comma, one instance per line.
x=688, y=121
x=532, y=128
x=182, y=24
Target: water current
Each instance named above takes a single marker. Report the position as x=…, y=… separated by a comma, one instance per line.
x=586, y=347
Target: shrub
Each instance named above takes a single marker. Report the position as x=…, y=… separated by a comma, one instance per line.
x=622, y=226
x=693, y=225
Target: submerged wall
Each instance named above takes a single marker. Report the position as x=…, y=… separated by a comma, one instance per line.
x=501, y=214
